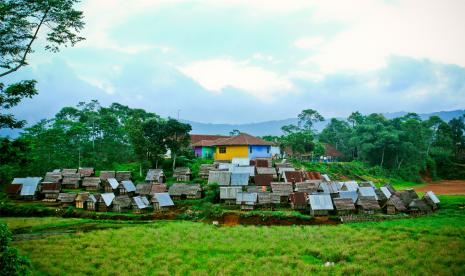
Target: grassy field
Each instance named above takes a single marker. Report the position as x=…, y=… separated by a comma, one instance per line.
x=433, y=244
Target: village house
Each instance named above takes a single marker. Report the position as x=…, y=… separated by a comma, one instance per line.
x=263, y=179
x=91, y=183
x=407, y=196
x=91, y=203
x=419, y=207
x=182, y=174
x=123, y=176
x=432, y=200
x=144, y=189
x=50, y=190
x=205, y=169
x=247, y=201
x=185, y=191
x=243, y=169
x=104, y=175
x=353, y=195
x=344, y=206
x=122, y=203
x=307, y=187
x=320, y=204
x=240, y=179
x=110, y=185
x=262, y=170
x=162, y=202
x=367, y=205
x=140, y=204
x=29, y=187
x=105, y=202
x=349, y=186
x=86, y=172
x=228, y=194
x=203, y=145
x=280, y=192
x=312, y=175
x=293, y=176
x=241, y=146
x=394, y=205
x=126, y=187
x=222, y=178
x=158, y=188
x=81, y=200
x=71, y=180
x=13, y=190
x=155, y=176
x=299, y=200
x=67, y=199
x=282, y=170
x=53, y=177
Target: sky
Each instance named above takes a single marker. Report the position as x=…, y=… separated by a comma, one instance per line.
x=249, y=61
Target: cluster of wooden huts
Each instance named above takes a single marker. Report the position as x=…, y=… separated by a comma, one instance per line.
x=252, y=183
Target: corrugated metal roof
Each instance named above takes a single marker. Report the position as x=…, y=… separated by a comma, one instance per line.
x=240, y=161
x=281, y=170
x=91, y=198
x=113, y=183
x=349, y=194
x=27, y=181
x=128, y=185
x=243, y=169
x=28, y=190
x=433, y=197
x=350, y=185
x=164, y=199
x=229, y=192
x=386, y=192
x=248, y=198
x=321, y=202
x=222, y=178
x=154, y=174
x=261, y=170
x=241, y=139
x=140, y=202
x=326, y=177
x=239, y=179
x=324, y=187
x=108, y=198
x=367, y=191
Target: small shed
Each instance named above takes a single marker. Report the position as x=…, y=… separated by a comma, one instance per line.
x=320, y=204
x=69, y=171
x=105, y=202
x=53, y=177
x=104, y=175
x=140, y=204
x=247, y=201
x=293, y=176
x=394, y=205
x=238, y=161
x=91, y=183
x=71, y=180
x=263, y=179
x=281, y=192
x=162, y=202
x=367, y=192
x=91, y=203
x=155, y=176
x=307, y=187
x=264, y=198
x=344, y=206
x=123, y=175
x=81, y=200
x=13, y=190
x=144, y=189
x=349, y=186
x=407, y=196
x=205, y=169
x=299, y=200
x=263, y=163
x=110, y=185
x=122, y=203
x=228, y=194
x=50, y=190
x=353, y=195
x=182, y=174
x=240, y=179
x=29, y=187
x=86, y=172
x=222, y=178
x=158, y=188
x=67, y=199
x=432, y=200
x=185, y=191
x=367, y=205
x=262, y=170
x=126, y=187
x=419, y=207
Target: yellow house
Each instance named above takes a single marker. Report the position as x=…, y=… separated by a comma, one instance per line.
x=242, y=146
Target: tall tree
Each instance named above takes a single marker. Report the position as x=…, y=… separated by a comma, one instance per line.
x=177, y=137
x=308, y=117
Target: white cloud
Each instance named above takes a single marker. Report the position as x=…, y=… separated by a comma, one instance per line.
x=308, y=42
x=217, y=74
x=99, y=83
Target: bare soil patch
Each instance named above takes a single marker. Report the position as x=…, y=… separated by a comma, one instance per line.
x=445, y=187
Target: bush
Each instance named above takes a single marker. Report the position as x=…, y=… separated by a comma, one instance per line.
x=5, y=237
x=11, y=263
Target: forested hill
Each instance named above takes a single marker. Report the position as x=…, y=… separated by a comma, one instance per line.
x=274, y=127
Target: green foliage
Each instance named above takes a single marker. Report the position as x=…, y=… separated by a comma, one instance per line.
x=11, y=263
x=11, y=97
x=5, y=236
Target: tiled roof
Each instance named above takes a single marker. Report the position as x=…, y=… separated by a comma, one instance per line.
x=242, y=139
x=199, y=137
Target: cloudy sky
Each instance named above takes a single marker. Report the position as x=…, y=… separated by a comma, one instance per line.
x=247, y=61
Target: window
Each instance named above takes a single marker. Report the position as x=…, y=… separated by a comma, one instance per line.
x=222, y=149
x=268, y=149
x=250, y=149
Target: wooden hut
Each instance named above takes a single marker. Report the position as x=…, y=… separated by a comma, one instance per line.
x=144, y=189
x=123, y=176
x=122, y=203
x=263, y=179
x=262, y=170
x=282, y=170
x=349, y=186
x=71, y=180
x=13, y=190
x=240, y=179
x=247, y=201
x=432, y=200
x=394, y=205
x=281, y=192
x=419, y=207
x=68, y=171
x=293, y=176
x=29, y=187
x=344, y=206
x=140, y=204
x=407, y=196
x=320, y=204
x=91, y=203
x=50, y=190
x=67, y=199
x=205, y=169
x=158, y=188
x=155, y=176
x=307, y=187
x=105, y=202
x=299, y=200
x=110, y=185
x=53, y=177
x=104, y=175
x=367, y=205
x=185, y=191
x=81, y=200
x=182, y=174
x=312, y=175
x=86, y=172
x=222, y=178
x=126, y=187
x=162, y=202
x=91, y=183
x=228, y=194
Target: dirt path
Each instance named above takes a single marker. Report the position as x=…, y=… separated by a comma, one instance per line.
x=445, y=187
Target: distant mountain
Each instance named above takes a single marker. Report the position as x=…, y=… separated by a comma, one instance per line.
x=274, y=127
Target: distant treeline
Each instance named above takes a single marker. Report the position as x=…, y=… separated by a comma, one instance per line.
x=407, y=146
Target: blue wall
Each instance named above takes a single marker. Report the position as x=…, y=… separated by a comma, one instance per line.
x=259, y=151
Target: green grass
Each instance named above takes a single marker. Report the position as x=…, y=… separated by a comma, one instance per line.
x=432, y=244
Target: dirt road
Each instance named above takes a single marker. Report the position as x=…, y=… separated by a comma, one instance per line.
x=445, y=187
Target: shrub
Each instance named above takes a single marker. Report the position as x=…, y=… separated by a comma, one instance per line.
x=11, y=263
x=5, y=237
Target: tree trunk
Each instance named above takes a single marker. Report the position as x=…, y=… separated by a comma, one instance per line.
x=382, y=158
x=140, y=169
x=174, y=161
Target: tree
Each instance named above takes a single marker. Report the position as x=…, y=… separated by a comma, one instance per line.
x=308, y=117
x=21, y=23
x=234, y=132
x=177, y=137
